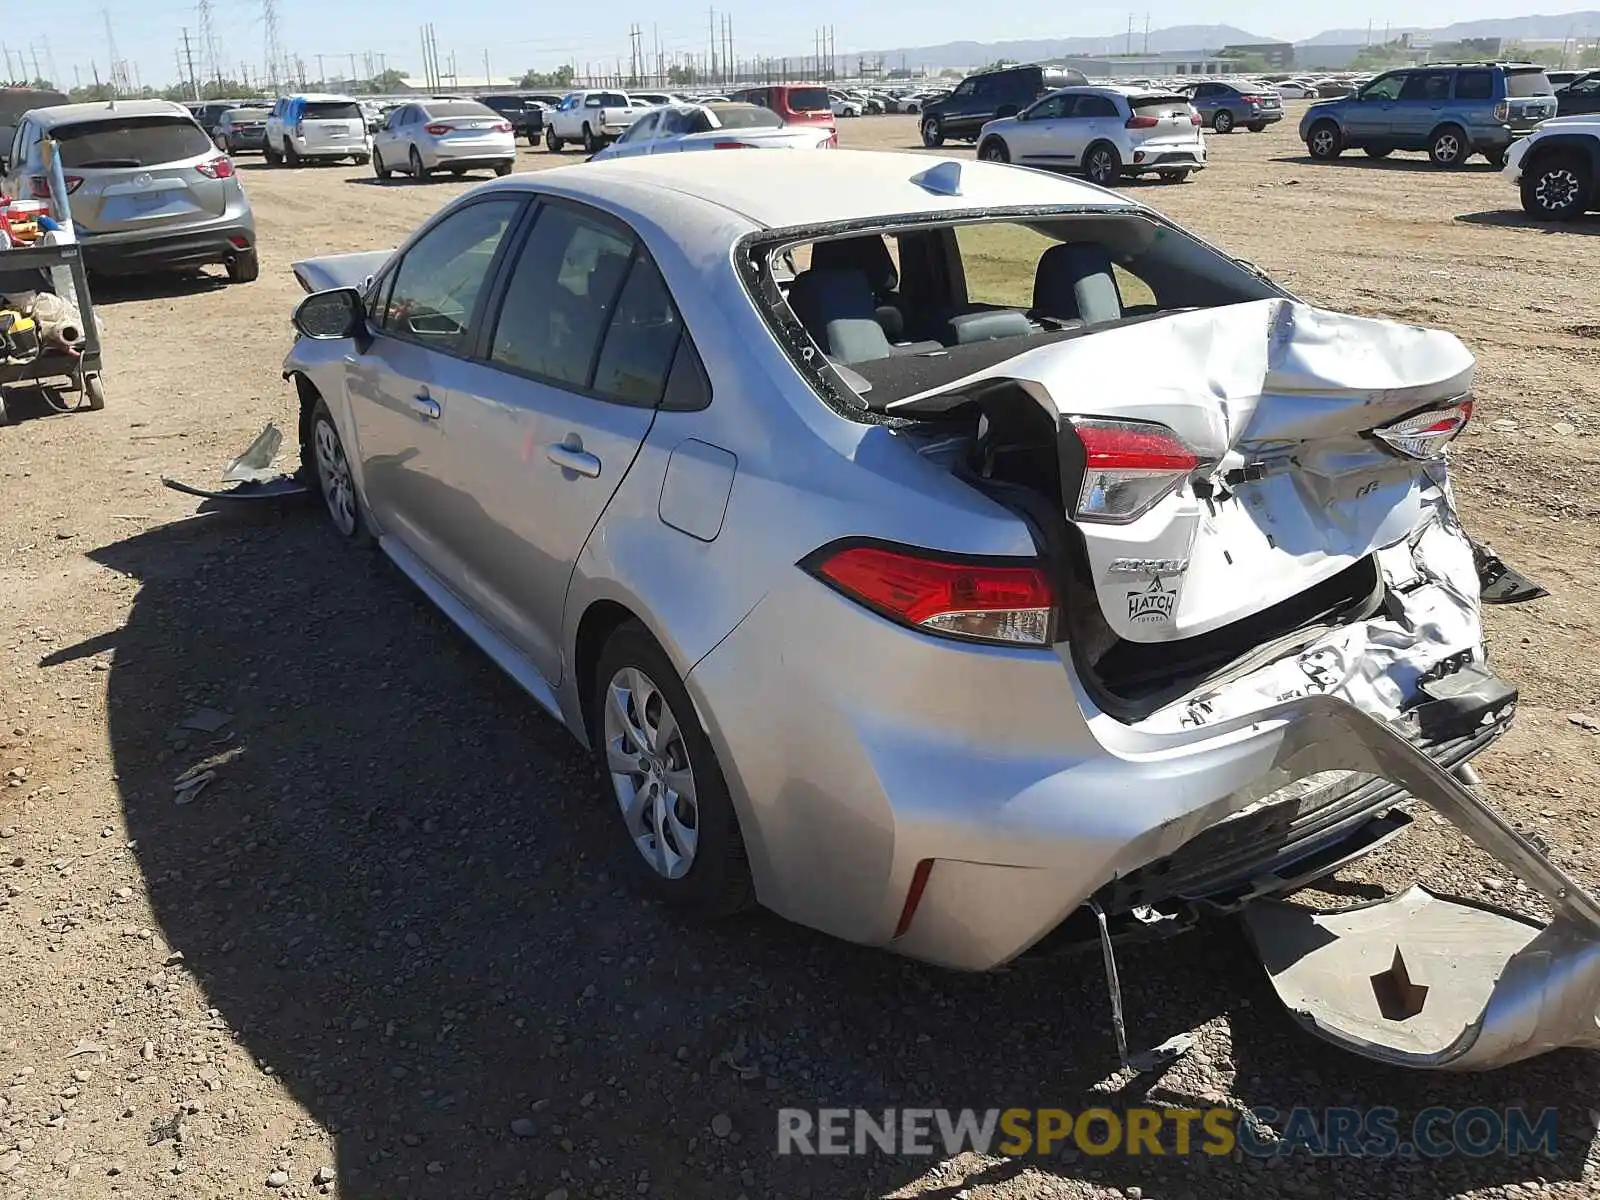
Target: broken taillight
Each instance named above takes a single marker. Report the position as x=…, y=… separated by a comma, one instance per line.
x=960, y=596
x=1128, y=467
x=1427, y=434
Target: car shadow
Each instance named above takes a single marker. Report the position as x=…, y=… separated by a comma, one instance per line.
x=1355, y=158
x=157, y=285
x=405, y=894
x=1509, y=218
x=402, y=180
x=26, y=402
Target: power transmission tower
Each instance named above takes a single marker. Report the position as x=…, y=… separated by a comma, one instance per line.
x=711, y=31
x=273, y=47
x=727, y=47
x=119, y=69
x=210, y=54
x=188, y=58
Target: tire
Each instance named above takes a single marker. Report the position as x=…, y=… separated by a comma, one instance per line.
x=1449, y=147
x=418, y=171
x=458, y=172
x=1102, y=164
x=1324, y=142
x=291, y=156
x=1495, y=158
x=379, y=167
x=272, y=156
x=1222, y=122
x=912, y=108
x=1377, y=151
x=635, y=699
x=244, y=267
x=1175, y=176
x=994, y=150
x=933, y=133
x=94, y=393
x=336, y=484
x=361, y=160
x=1256, y=126
x=591, y=143
x=220, y=142
x=552, y=143
x=502, y=169
x=1558, y=187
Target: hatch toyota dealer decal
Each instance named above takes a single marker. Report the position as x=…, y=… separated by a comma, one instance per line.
x=1153, y=603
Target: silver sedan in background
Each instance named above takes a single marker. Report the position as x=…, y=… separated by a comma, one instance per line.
x=443, y=135
x=726, y=126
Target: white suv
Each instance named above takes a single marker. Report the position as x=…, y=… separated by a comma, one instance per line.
x=1106, y=132
x=316, y=127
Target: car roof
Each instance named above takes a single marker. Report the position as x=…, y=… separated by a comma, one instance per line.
x=805, y=189
x=320, y=96
x=80, y=114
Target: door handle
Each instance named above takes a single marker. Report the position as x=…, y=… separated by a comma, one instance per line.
x=425, y=405
x=573, y=458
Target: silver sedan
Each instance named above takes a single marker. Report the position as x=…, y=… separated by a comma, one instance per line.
x=443, y=135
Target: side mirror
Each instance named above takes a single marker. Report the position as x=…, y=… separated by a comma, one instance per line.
x=331, y=315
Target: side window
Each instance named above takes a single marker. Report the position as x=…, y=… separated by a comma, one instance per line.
x=1586, y=87
x=1050, y=108
x=640, y=343
x=1474, y=85
x=698, y=122
x=561, y=296
x=19, y=142
x=986, y=88
x=1426, y=86
x=965, y=88
x=436, y=287
x=1095, y=106
x=591, y=101
x=1385, y=87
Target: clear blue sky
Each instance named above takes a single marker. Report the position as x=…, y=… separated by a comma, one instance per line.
x=518, y=36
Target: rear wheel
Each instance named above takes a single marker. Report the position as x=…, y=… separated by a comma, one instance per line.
x=1378, y=151
x=379, y=167
x=290, y=154
x=1449, y=147
x=418, y=171
x=1495, y=158
x=591, y=141
x=503, y=168
x=1223, y=121
x=244, y=267
x=220, y=142
x=552, y=142
x=1103, y=165
x=664, y=775
x=361, y=160
x=1324, y=141
x=1256, y=126
x=1557, y=188
x=933, y=133
x=994, y=150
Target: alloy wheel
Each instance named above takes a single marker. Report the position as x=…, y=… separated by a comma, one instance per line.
x=1322, y=141
x=651, y=773
x=333, y=474
x=1446, y=149
x=1557, y=189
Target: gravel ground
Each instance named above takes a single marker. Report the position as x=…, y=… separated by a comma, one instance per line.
x=386, y=951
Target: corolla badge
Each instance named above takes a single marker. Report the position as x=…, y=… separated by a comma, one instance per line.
x=1148, y=566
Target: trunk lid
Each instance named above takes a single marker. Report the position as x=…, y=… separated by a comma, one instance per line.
x=1277, y=401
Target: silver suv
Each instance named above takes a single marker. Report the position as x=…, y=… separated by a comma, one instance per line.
x=148, y=190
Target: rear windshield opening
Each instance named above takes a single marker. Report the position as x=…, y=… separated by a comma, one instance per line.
x=897, y=311
x=131, y=142
x=808, y=99
x=331, y=110
x=747, y=118
x=1528, y=83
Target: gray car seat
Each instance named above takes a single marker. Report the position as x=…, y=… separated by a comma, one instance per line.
x=1073, y=282
x=837, y=310
x=870, y=255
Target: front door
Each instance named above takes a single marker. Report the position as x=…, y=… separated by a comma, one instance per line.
x=1369, y=119
x=400, y=388
x=550, y=417
x=1044, y=134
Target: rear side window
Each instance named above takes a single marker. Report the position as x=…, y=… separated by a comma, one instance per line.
x=639, y=346
x=807, y=99
x=331, y=110
x=131, y=142
x=1427, y=85
x=1528, y=83
x=561, y=296
x=1474, y=85
x=1096, y=106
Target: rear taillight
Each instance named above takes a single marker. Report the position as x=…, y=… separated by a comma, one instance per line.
x=216, y=168
x=1128, y=468
x=437, y=130
x=1427, y=434
x=1142, y=122
x=1502, y=111
x=1251, y=99
x=975, y=599
x=1194, y=118
x=39, y=186
x=502, y=127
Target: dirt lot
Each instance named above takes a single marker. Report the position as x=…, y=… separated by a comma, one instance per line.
x=388, y=942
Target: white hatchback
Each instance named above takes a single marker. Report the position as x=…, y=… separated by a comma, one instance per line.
x=1108, y=133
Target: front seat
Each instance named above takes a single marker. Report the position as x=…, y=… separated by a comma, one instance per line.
x=1073, y=282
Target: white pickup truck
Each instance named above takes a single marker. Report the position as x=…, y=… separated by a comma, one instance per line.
x=593, y=118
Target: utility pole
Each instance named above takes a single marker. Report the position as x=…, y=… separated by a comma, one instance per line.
x=1147, y=34
x=1128, y=49
x=322, y=75
x=711, y=30
x=188, y=58
x=50, y=62
x=352, y=68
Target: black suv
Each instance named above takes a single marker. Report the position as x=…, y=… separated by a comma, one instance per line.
x=524, y=112
x=983, y=97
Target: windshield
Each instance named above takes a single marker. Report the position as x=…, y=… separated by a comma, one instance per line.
x=807, y=99
x=460, y=108
x=331, y=110
x=1528, y=83
x=131, y=142
x=747, y=118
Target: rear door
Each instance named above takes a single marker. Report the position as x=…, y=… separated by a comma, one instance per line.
x=140, y=173
x=1095, y=118
x=1423, y=106
x=553, y=412
x=424, y=312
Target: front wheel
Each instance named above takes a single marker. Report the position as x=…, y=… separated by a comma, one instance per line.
x=1324, y=141
x=552, y=143
x=933, y=133
x=994, y=150
x=272, y=157
x=1449, y=147
x=1495, y=158
x=335, y=480
x=1103, y=165
x=664, y=776
x=1557, y=188
x=94, y=393
x=1223, y=121
x=379, y=167
x=361, y=160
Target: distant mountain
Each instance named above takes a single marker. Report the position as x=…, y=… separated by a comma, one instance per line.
x=1512, y=29
x=971, y=54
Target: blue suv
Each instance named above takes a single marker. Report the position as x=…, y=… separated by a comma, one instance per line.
x=1451, y=110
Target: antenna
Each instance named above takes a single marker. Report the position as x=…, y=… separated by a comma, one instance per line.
x=273, y=50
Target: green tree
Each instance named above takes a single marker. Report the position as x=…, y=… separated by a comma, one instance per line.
x=682, y=76
x=561, y=77
x=385, y=81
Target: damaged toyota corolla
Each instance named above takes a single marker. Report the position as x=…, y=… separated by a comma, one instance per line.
x=958, y=559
